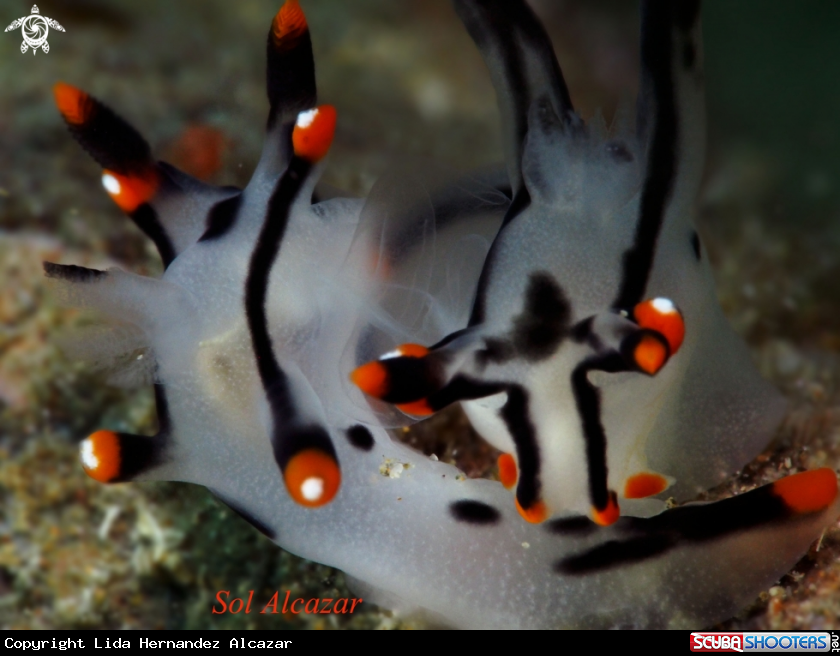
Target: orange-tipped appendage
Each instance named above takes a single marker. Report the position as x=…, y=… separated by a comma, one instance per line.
x=507, y=470
x=74, y=104
x=371, y=378
x=312, y=478
x=100, y=453
x=130, y=191
x=313, y=133
x=643, y=485
x=412, y=350
x=419, y=408
x=288, y=26
x=608, y=515
x=650, y=354
x=661, y=315
x=535, y=514
x=808, y=492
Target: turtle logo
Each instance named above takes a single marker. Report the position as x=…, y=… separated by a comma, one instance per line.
x=35, y=29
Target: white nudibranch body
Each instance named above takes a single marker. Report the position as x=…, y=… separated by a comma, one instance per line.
x=569, y=307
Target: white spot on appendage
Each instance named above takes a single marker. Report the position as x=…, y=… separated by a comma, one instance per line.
x=304, y=119
x=89, y=459
x=390, y=354
x=111, y=184
x=312, y=488
x=663, y=305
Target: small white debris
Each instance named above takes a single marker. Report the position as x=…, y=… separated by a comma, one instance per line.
x=526, y=545
x=111, y=513
x=433, y=457
x=392, y=469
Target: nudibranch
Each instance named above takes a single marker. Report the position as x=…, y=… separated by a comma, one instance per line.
x=274, y=293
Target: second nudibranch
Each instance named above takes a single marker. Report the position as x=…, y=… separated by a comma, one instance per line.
x=596, y=357
x=271, y=294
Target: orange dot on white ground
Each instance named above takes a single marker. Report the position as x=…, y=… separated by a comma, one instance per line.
x=312, y=478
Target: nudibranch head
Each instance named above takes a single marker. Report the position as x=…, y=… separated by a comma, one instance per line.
x=567, y=308
x=595, y=353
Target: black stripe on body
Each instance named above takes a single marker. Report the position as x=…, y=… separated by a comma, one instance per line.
x=696, y=246
x=474, y=512
x=286, y=439
x=262, y=260
x=652, y=536
x=516, y=415
x=221, y=217
x=73, y=273
x=544, y=322
x=588, y=401
x=657, y=60
x=146, y=218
